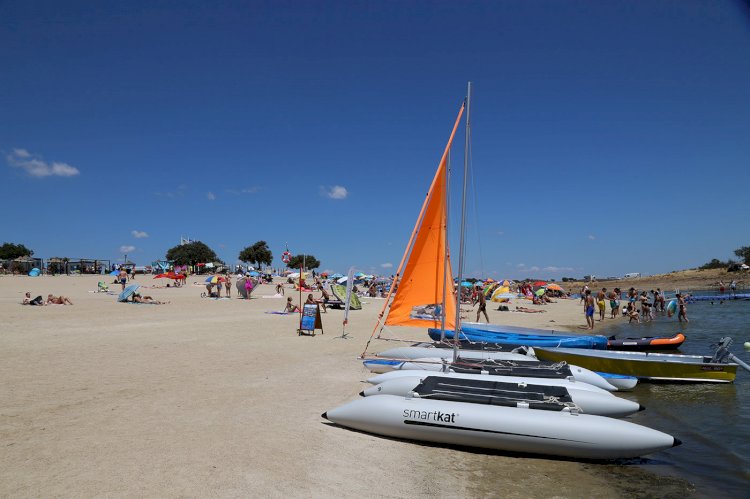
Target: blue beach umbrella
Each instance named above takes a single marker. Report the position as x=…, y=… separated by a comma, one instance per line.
x=466, y=284
x=115, y=272
x=254, y=273
x=128, y=292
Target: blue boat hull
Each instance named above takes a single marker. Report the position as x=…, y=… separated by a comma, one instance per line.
x=532, y=340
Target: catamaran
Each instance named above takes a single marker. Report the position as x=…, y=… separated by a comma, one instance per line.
x=425, y=298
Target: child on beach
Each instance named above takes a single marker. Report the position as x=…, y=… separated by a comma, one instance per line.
x=229, y=285
x=600, y=303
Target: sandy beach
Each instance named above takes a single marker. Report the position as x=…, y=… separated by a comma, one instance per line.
x=205, y=397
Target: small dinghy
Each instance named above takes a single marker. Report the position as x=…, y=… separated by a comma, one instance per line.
x=647, y=343
x=476, y=390
x=509, y=429
x=515, y=339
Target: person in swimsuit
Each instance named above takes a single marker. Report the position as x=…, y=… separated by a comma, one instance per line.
x=123, y=276
x=290, y=307
x=482, y=301
x=645, y=307
x=326, y=298
x=228, y=286
x=682, y=314
x=58, y=300
x=721, y=287
x=588, y=309
x=661, y=304
x=614, y=303
x=280, y=289
x=733, y=287
x=600, y=303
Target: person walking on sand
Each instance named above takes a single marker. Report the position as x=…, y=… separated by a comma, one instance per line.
x=588, y=309
x=482, y=307
x=280, y=289
x=600, y=302
x=249, y=286
x=229, y=285
x=682, y=314
x=123, y=276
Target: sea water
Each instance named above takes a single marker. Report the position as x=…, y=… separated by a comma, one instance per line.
x=712, y=420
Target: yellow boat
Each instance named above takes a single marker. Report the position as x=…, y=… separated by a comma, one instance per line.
x=647, y=365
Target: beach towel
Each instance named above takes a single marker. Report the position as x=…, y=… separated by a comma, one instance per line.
x=272, y=296
x=277, y=313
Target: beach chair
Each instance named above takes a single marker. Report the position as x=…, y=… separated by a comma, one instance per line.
x=102, y=287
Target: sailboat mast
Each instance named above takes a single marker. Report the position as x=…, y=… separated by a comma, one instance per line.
x=445, y=247
x=457, y=331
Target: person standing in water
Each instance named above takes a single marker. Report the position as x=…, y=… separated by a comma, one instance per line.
x=682, y=314
x=614, y=302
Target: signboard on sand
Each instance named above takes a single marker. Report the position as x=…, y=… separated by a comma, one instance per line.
x=310, y=319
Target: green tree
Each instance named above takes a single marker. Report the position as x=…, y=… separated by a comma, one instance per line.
x=744, y=253
x=191, y=253
x=257, y=253
x=9, y=251
x=310, y=262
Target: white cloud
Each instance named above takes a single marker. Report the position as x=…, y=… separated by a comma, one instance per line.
x=521, y=265
x=210, y=196
x=127, y=249
x=139, y=234
x=552, y=268
x=500, y=233
x=181, y=190
x=335, y=192
x=386, y=265
x=591, y=237
x=35, y=166
x=534, y=268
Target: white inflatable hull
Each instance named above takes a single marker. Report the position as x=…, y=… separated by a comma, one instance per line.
x=447, y=353
x=501, y=428
x=390, y=375
x=588, y=402
x=437, y=364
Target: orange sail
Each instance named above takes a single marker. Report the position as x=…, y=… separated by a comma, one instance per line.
x=419, y=298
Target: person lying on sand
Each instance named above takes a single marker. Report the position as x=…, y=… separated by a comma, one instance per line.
x=529, y=310
x=137, y=298
x=58, y=300
x=28, y=300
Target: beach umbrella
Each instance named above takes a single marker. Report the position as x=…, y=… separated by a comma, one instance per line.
x=254, y=273
x=214, y=279
x=337, y=276
x=466, y=284
x=115, y=272
x=539, y=284
x=507, y=282
x=502, y=293
x=128, y=292
x=540, y=291
x=554, y=287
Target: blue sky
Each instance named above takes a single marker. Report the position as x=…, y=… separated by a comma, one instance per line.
x=608, y=137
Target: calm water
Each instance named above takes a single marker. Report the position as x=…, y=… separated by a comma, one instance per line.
x=713, y=421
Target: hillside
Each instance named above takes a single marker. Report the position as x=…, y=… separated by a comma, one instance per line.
x=682, y=279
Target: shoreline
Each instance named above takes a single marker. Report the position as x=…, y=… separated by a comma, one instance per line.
x=218, y=397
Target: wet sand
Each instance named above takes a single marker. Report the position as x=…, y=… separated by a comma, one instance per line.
x=215, y=397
